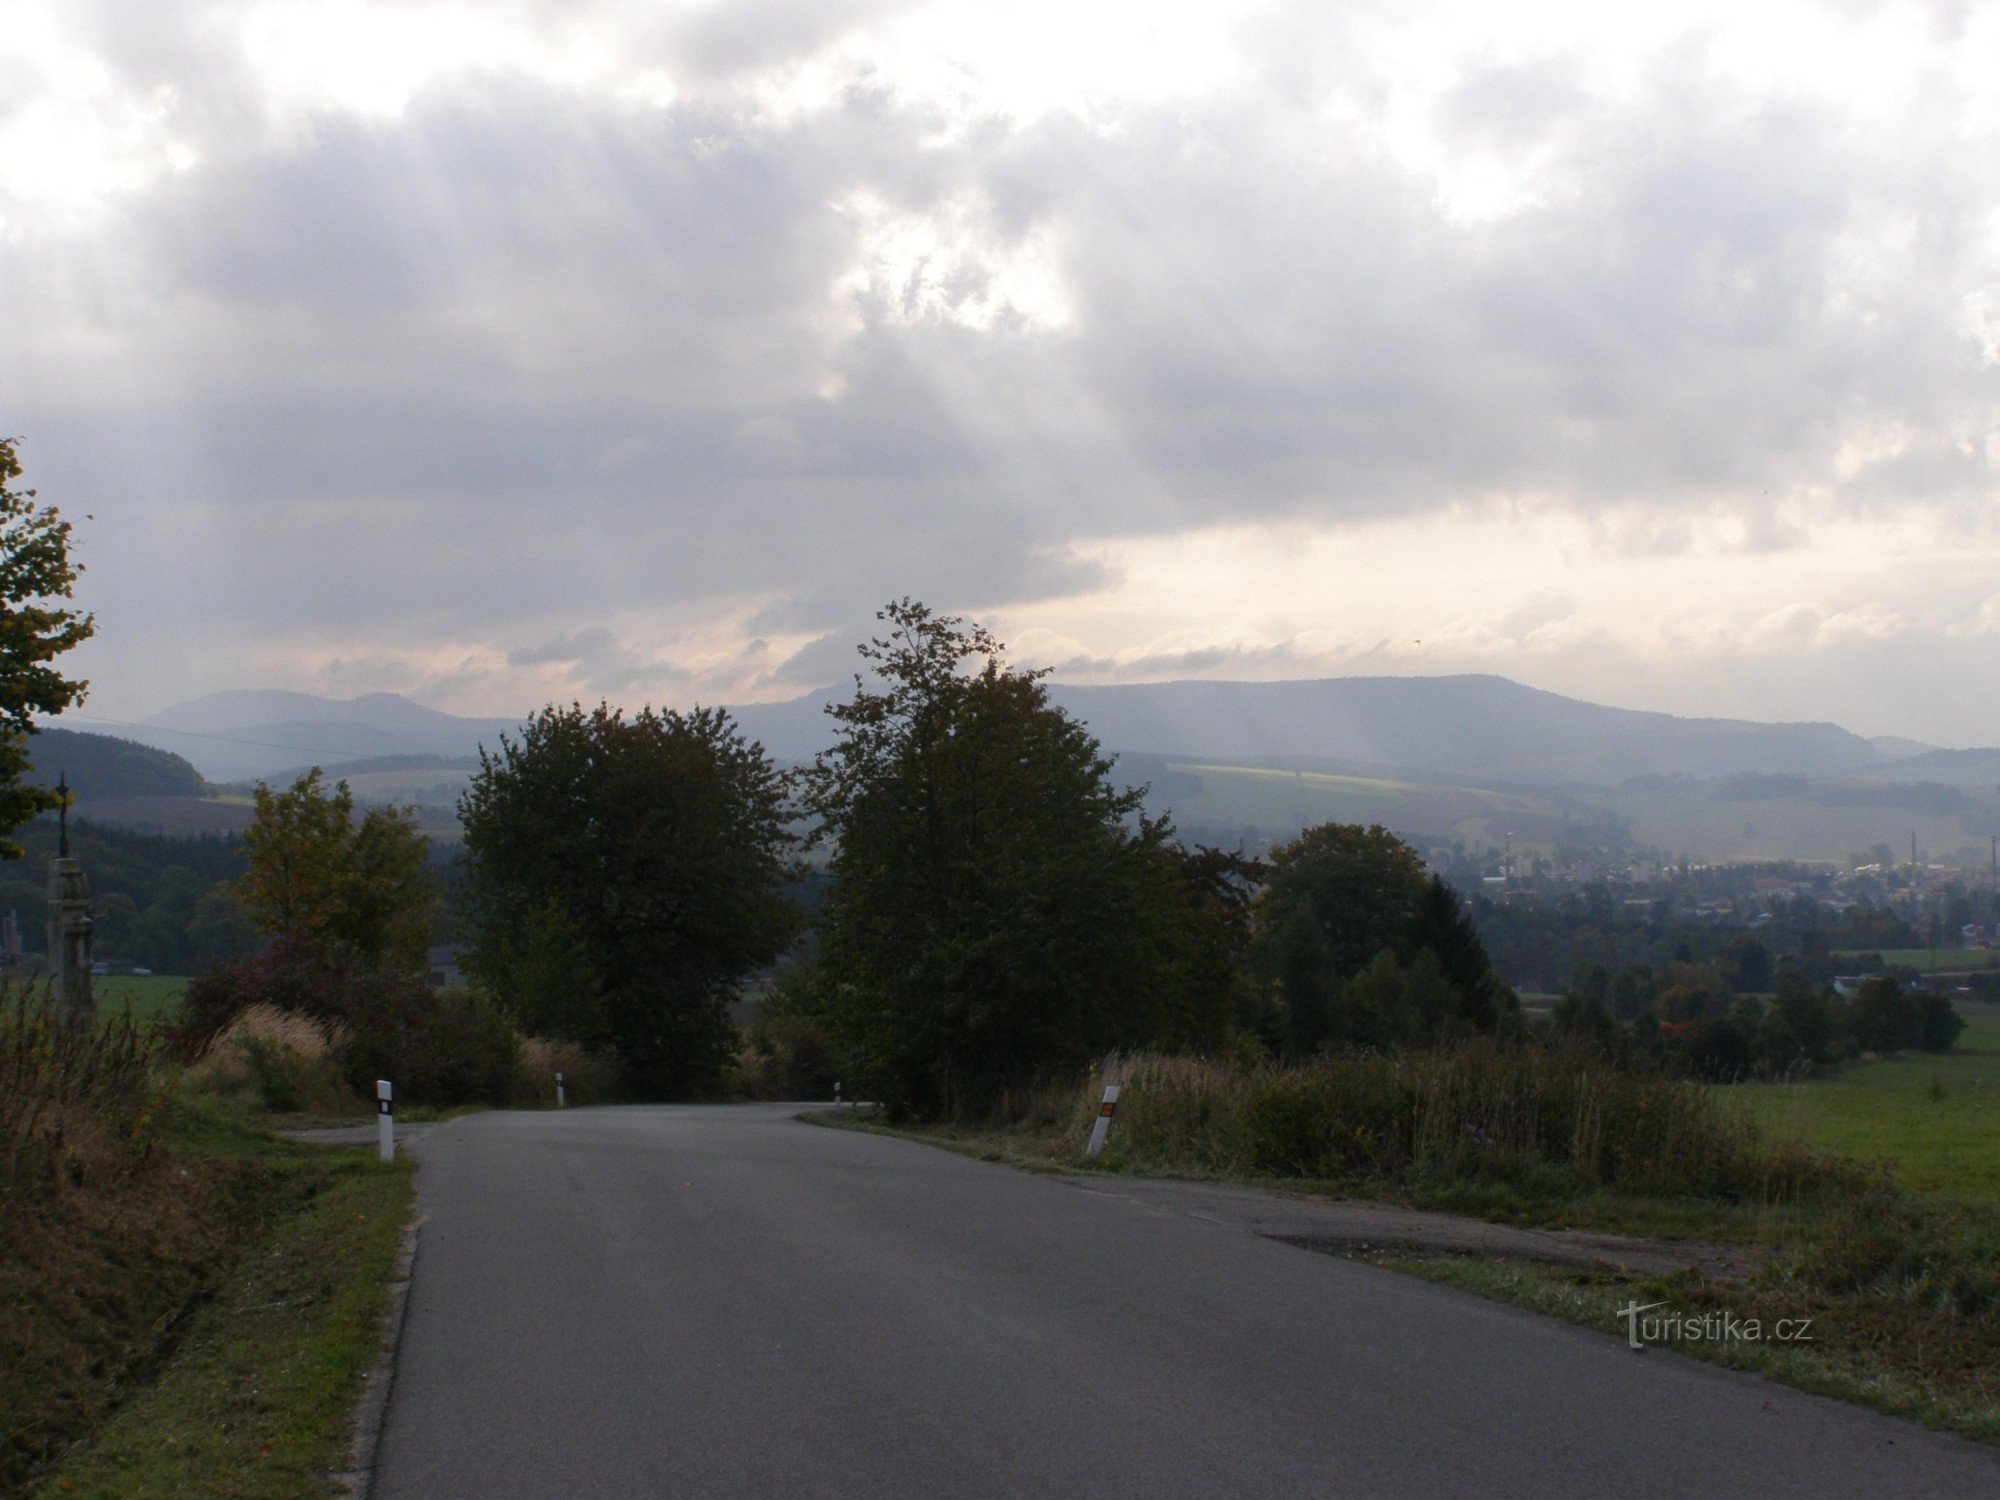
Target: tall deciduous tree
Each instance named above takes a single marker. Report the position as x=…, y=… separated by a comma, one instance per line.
x=623, y=877
x=998, y=908
x=36, y=627
x=1341, y=896
x=319, y=875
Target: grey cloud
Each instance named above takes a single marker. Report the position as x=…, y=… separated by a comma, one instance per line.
x=524, y=353
x=602, y=663
x=582, y=646
x=1253, y=661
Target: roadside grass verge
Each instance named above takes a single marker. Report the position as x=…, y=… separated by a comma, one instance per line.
x=1831, y=1362
x=257, y=1400
x=126, y=1213
x=1903, y=1291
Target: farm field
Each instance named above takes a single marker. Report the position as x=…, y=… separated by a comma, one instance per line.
x=147, y=995
x=1283, y=801
x=1935, y=1121
x=1940, y=960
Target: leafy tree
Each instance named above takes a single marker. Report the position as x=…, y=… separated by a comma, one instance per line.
x=35, y=573
x=998, y=909
x=1209, y=904
x=319, y=877
x=217, y=928
x=1941, y=1024
x=623, y=876
x=1883, y=1017
x=1746, y=965
x=1444, y=928
x=538, y=968
x=1361, y=888
x=1339, y=896
x=1799, y=1026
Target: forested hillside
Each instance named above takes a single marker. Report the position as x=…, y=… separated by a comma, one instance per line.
x=101, y=765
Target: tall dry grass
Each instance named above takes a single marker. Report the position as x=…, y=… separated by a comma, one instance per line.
x=103, y=1233
x=1477, y=1112
x=588, y=1077
x=74, y=1100
x=280, y=1059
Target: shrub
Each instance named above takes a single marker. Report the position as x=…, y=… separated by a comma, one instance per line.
x=289, y=976
x=440, y=1048
x=589, y=1077
x=75, y=1101
x=1941, y=1024
x=279, y=1060
x=1480, y=1111
x=799, y=1056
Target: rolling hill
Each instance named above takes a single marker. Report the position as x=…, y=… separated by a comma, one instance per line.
x=1472, y=757
x=260, y=734
x=1480, y=729
x=103, y=765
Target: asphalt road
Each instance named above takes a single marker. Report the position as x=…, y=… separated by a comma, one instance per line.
x=694, y=1302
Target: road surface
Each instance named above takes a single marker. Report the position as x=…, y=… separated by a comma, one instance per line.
x=722, y=1301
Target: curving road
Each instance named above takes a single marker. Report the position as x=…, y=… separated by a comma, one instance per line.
x=722, y=1301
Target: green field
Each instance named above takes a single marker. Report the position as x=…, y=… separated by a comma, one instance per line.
x=147, y=995
x=1935, y=1121
x=1283, y=802
x=1939, y=960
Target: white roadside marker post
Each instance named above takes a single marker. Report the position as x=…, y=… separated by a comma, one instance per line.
x=1102, y=1126
x=559, y=1092
x=385, y=1118
x=836, y=1093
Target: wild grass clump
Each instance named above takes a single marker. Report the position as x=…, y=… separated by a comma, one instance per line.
x=104, y=1232
x=588, y=1077
x=439, y=1047
x=1883, y=1246
x=276, y=1060
x=1480, y=1112
x=75, y=1101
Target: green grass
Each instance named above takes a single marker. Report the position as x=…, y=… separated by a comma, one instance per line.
x=257, y=1399
x=149, y=996
x=1934, y=1121
x=1592, y=1299
x=1936, y=960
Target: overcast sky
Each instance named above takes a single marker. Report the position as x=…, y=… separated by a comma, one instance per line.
x=506, y=351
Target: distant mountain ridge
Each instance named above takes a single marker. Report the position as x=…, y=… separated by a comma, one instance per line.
x=97, y=766
x=248, y=734
x=1475, y=729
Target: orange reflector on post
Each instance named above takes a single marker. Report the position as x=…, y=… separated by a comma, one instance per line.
x=1103, y=1123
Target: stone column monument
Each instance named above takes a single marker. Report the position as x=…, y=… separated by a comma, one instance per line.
x=69, y=925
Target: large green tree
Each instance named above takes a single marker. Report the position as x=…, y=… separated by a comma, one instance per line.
x=999, y=909
x=323, y=877
x=1364, y=948
x=36, y=626
x=623, y=876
